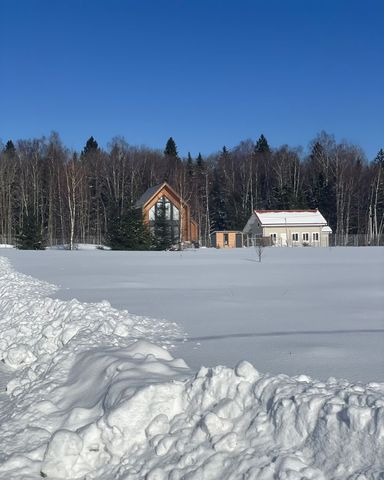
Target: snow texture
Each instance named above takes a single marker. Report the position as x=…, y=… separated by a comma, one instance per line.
x=92, y=393
x=290, y=217
x=317, y=311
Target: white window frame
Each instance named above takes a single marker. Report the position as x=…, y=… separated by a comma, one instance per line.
x=274, y=238
x=303, y=239
x=152, y=213
x=297, y=234
x=315, y=239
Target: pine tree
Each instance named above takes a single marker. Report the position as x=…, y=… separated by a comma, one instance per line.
x=10, y=148
x=162, y=228
x=262, y=145
x=115, y=232
x=170, y=148
x=189, y=166
x=30, y=236
x=90, y=146
x=128, y=231
x=139, y=234
x=379, y=159
x=323, y=197
x=199, y=161
x=219, y=211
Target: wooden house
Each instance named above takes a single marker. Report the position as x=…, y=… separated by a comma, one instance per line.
x=177, y=212
x=288, y=228
x=227, y=239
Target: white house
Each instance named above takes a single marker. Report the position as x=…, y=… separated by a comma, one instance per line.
x=288, y=228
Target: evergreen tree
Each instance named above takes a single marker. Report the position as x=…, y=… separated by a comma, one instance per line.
x=262, y=145
x=219, y=211
x=170, y=148
x=115, y=232
x=128, y=231
x=10, y=148
x=284, y=199
x=323, y=197
x=30, y=236
x=162, y=228
x=90, y=146
x=379, y=159
x=199, y=161
x=189, y=166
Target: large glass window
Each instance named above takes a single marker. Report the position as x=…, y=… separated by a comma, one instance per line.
x=167, y=205
x=164, y=207
x=152, y=214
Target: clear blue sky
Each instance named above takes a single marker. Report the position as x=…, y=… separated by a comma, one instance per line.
x=207, y=72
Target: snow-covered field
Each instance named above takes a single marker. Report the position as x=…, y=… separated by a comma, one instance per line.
x=93, y=391
x=303, y=310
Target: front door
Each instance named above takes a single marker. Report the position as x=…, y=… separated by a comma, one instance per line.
x=239, y=240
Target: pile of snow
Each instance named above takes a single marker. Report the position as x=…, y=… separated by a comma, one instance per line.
x=6, y=245
x=92, y=396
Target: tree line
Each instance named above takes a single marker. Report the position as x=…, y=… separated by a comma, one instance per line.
x=69, y=197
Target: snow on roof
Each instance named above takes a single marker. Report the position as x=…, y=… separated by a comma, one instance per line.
x=326, y=229
x=290, y=217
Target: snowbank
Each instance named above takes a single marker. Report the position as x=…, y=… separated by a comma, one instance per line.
x=94, y=393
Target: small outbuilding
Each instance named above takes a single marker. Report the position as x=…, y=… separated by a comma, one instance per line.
x=287, y=228
x=227, y=239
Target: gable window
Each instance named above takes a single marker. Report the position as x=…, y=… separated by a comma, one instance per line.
x=305, y=237
x=315, y=237
x=295, y=237
x=152, y=214
x=170, y=213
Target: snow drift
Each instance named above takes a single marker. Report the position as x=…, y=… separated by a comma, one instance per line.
x=94, y=393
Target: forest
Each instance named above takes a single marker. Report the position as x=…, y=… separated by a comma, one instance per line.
x=71, y=197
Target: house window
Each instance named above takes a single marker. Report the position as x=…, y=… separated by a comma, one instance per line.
x=226, y=239
x=315, y=237
x=167, y=205
x=295, y=237
x=165, y=208
x=273, y=238
x=305, y=237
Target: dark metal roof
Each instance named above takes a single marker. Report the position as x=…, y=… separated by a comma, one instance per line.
x=147, y=195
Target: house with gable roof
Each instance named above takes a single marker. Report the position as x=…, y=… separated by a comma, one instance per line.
x=288, y=228
x=177, y=212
